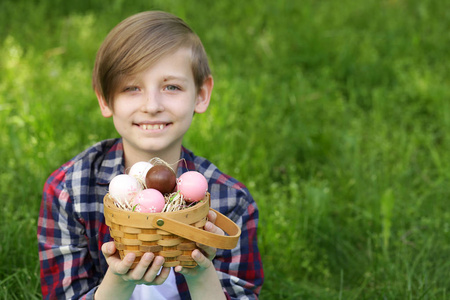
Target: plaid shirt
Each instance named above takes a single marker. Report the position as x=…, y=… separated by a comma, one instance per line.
x=71, y=226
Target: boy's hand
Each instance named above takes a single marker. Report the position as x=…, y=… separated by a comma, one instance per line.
x=204, y=256
x=146, y=271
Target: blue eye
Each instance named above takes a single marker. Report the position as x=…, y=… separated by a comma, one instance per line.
x=172, y=88
x=131, y=89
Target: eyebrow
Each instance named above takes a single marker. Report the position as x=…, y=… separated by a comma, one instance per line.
x=173, y=77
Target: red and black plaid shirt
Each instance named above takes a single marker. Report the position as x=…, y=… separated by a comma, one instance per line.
x=71, y=226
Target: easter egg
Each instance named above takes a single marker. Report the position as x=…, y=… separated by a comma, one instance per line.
x=123, y=188
x=150, y=201
x=192, y=185
x=140, y=169
x=161, y=178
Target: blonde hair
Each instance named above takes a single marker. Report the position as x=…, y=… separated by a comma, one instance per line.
x=139, y=41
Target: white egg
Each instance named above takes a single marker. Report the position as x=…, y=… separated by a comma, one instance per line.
x=123, y=188
x=140, y=169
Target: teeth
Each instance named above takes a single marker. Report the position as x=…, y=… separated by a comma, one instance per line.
x=152, y=127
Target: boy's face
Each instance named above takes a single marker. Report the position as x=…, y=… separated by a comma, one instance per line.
x=153, y=110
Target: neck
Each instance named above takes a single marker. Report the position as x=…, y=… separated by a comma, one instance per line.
x=131, y=157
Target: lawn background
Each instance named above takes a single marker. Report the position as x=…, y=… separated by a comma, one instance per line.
x=335, y=114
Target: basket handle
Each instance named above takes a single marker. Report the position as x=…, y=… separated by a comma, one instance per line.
x=202, y=236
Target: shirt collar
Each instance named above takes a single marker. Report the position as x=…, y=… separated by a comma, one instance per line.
x=186, y=162
x=113, y=164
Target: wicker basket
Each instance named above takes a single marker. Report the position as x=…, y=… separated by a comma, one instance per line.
x=172, y=235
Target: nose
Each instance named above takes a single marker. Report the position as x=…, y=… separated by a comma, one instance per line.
x=152, y=103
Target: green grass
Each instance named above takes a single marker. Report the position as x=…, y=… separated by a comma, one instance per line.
x=335, y=114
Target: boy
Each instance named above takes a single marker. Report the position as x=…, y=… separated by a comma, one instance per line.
x=151, y=76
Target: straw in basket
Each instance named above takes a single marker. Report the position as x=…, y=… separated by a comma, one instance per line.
x=172, y=235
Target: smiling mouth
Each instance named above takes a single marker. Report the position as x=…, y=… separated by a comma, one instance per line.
x=153, y=126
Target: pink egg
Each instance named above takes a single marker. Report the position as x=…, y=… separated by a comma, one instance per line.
x=150, y=201
x=123, y=188
x=140, y=169
x=192, y=185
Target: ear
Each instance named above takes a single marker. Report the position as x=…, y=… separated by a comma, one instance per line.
x=204, y=95
x=104, y=107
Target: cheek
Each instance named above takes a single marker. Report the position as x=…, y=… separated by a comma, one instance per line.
x=122, y=118
x=183, y=109
x=119, y=125
x=123, y=110
x=187, y=115
x=184, y=119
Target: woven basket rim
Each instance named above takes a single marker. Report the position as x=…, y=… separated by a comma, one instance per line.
x=188, y=216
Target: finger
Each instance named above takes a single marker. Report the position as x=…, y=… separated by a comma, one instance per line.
x=113, y=260
x=209, y=252
x=122, y=267
x=152, y=272
x=108, y=249
x=141, y=268
x=201, y=259
x=163, y=275
x=209, y=226
x=186, y=271
x=212, y=216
